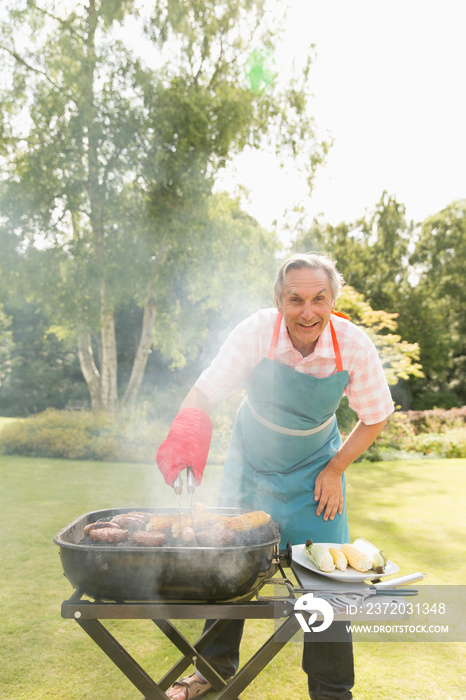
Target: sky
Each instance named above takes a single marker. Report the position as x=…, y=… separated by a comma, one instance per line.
x=389, y=89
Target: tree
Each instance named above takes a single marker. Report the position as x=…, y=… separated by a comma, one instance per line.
x=439, y=262
x=6, y=349
x=109, y=164
x=398, y=357
x=372, y=253
x=42, y=370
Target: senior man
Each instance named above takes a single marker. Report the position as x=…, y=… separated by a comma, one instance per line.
x=286, y=455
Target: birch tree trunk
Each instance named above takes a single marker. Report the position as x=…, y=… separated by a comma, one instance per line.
x=89, y=369
x=108, y=400
x=109, y=368
x=142, y=353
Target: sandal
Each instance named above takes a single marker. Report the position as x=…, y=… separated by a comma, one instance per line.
x=195, y=688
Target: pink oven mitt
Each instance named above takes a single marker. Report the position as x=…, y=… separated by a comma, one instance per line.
x=187, y=445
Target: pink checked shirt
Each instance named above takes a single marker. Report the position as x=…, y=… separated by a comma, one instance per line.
x=368, y=393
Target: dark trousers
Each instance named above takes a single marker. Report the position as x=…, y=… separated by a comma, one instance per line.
x=328, y=661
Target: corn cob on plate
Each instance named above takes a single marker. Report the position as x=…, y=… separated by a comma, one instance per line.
x=349, y=574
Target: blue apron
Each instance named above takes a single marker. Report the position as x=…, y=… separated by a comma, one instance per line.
x=285, y=433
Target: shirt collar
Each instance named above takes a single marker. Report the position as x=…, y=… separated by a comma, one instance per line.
x=324, y=346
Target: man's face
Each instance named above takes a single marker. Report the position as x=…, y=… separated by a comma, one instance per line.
x=306, y=304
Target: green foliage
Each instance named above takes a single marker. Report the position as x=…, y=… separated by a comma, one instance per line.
x=423, y=320
x=440, y=254
x=82, y=435
x=439, y=260
x=42, y=370
x=346, y=417
x=436, y=399
x=371, y=253
x=398, y=357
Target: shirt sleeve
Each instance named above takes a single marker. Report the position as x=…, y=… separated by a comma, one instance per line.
x=368, y=392
x=244, y=348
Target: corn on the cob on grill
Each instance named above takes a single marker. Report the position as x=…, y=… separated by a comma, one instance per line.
x=248, y=521
x=203, y=520
x=161, y=523
x=339, y=559
x=356, y=559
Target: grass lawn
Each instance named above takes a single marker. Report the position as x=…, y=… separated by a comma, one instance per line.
x=413, y=509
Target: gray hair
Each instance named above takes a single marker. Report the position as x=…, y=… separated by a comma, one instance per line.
x=313, y=261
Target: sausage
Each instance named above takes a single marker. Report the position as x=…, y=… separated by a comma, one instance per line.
x=99, y=526
x=109, y=535
x=142, y=515
x=149, y=539
x=129, y=521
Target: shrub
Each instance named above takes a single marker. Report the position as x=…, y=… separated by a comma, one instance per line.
x=83, y=435
x=133, y=438
x=456, y=444
x=398, y=431
x=437, y=420
x=429, y=444
x=438, y=432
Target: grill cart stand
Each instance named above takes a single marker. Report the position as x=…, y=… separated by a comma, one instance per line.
x=88, y=615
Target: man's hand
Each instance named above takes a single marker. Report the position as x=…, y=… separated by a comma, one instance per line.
x=328, y=490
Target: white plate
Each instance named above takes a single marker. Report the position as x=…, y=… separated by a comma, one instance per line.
x=349, y=575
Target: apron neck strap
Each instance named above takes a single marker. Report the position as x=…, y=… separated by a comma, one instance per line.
x=341, y=315
x=276, y=333
x=336, y=348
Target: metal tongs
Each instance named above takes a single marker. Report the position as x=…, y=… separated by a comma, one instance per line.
x=190, y=488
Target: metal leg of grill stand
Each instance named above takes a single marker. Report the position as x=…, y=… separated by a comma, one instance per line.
x=192, y=653
x=259, y=661
x=232, y=689
x=121, y=658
